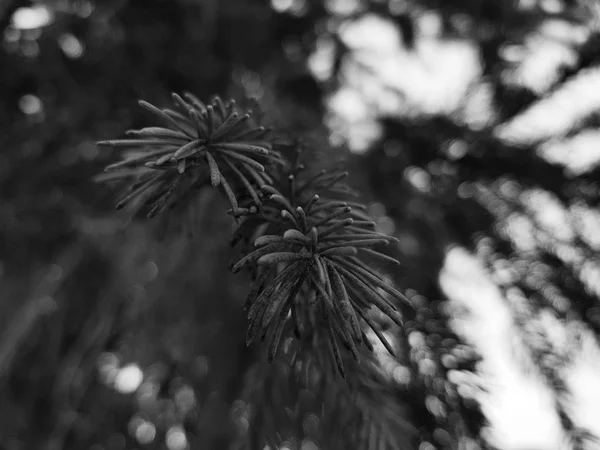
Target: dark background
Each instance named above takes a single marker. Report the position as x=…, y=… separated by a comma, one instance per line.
x=119, y=334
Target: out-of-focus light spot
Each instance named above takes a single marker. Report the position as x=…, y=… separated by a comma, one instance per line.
x=185, y=399
x=537, y=65
x=11, y=34
x=350, y=104
x=108, y=367
x=449, y=361
x=389, y=101
x=243, y=424
x=427, y=367
x=310, y=424
x=589, y=274
x=479, y=111
x=512, y=52
x=383, y=78
x=320, y=62
x=465, y=190
x=504, y=275
x=30, y=18
x=434, y=78
x=376, y=209
x=386, y=225
x=176, y=439
x=281, y=6
x=520, y=230
x=336, y=139
x=416, y=338
x=401, y=375
x=287, y=343
x=31, y=104
x=578, y=154
x=466, y=443
x=435, y=406
x=526, y=4
x=143, y=431
x=565, y=31
x=128, y=379
x=418, y=178
x=84, y=9
x=426, y=446
x=343, y=7
x=552, y=6
x=457, y=149
x=251, y=81
x=299, y=8
x=308, y=445
x=456, y=377
x=443, y=437
x=588, y=224
x=554, y=332
x=362, y=135
x=133, y=425
x=549, y=213
x=467, y=391
x=71, y=46
x=509, y=188
x=430, y=24
x=371, y=32
x=461, y=22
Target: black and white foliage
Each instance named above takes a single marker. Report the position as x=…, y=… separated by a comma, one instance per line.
x=309, y=243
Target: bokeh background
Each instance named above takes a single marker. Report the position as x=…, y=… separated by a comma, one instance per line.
x=471, y=128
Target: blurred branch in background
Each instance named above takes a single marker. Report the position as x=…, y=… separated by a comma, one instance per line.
x=42, y=303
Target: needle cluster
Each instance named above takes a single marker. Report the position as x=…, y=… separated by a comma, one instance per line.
x=197, y=144
x=305, y=242
x=314, y=264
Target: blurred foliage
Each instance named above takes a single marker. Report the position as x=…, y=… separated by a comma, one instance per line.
x=119, y=334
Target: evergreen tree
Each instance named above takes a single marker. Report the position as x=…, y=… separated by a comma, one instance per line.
x=127, y=329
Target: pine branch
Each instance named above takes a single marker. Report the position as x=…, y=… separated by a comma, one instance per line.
x=198, y=143
x=308, y=237
x=313, y=246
